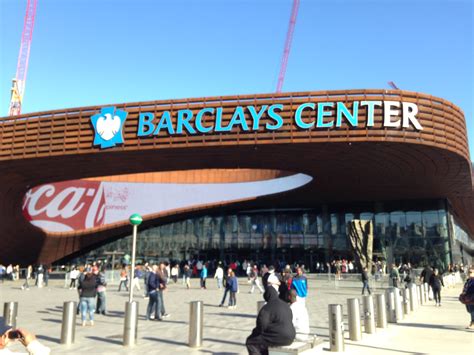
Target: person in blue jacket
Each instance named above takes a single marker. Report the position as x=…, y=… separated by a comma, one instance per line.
x=233, y=286
x=204, y=276
x=300, y=285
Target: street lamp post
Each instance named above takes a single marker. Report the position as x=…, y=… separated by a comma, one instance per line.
x=131, y=307
x=135, y=220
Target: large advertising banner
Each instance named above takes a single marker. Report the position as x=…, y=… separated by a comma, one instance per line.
x=82, y=204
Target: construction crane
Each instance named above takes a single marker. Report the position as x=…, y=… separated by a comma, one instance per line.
x=18, y=83
x=289, y=39
x=393, y=85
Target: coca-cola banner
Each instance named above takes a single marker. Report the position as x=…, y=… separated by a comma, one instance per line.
x=81, y=204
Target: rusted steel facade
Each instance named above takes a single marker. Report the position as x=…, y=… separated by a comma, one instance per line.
x=348, y=164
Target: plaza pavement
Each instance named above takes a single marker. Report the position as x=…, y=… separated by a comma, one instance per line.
x=430, y=330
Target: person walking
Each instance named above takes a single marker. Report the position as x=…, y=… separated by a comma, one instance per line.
x=152, y=288
x=204, y=275
x=187, y=273
x=39, y=276
x=365, y=281
x=148, y=272
x=2, y=273
x=28, y=275
x=47, y=271
x=394, y=276
x=233, y=289
x=87, y=294
x=300, y=284
x=137, y=275
x=300, y=317
x=254, y=280
x=74, y=274
x=435, y=282
x=123, y=279
x=101, y=307
x=162, y=287
x=285, y=285
x=467, y=296
x=226, y=287
x=219, y=275
x=425, y=277
x=10, y=272
x=175, y=273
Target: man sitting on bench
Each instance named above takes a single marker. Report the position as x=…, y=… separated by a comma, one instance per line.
x=274, y=325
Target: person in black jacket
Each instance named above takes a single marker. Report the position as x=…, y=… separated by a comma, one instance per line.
x=88, y=292
x=274, y=325
x=153, y=287
x=436, y=281
x=365, y=281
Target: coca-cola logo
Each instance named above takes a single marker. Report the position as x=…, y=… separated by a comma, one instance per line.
x=66, y=206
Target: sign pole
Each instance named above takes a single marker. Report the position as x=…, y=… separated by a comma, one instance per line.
x=132, y=270
x=130, y=328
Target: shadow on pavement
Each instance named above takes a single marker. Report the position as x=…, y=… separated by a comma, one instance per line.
x=51, y=320
x=386, y=349
x=224, y=341
x=167, y=341
x=60, y=310
x=217, y=352
x=105, y=340
x=236, y=315
x=44, y=337
x=419, y=325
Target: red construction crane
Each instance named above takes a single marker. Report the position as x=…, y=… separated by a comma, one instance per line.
x=18, y=84
x=289, y=39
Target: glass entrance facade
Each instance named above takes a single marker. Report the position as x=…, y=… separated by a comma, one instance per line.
x=415, y=232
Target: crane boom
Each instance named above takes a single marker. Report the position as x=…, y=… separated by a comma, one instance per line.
x=289, y=39
x=18, y=84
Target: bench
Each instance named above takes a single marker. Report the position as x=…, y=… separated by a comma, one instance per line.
x=297, y=347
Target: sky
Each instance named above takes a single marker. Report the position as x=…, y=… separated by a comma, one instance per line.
x=99, y=52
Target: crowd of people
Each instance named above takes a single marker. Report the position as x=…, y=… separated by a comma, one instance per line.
x=285, y=289
x=12, y=273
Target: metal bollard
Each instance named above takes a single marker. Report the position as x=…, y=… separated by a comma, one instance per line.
x=419, y=293
x=10, y=313
x=391, y=318
x=196, y=311
x=369, y=319
x=381, y=311
x=68, y=326
x=353, y=316
x=130, y=327
x=426, y=287
x=336, y=328
x=406, y=300
x=260, y=305
x=398, y=305
x=413, y=297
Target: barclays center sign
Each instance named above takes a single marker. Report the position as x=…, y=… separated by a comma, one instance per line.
x=108, y=124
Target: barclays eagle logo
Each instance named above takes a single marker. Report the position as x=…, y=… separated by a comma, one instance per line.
x=108, y=126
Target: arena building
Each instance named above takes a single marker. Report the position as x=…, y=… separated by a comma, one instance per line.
x=264, y=177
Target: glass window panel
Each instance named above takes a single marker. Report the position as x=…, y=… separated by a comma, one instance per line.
x=382, y=224
x=398, y=223
x=414, y=223
x=431, y=223
x=366, y=216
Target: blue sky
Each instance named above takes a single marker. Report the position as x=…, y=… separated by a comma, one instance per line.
x=96, y=52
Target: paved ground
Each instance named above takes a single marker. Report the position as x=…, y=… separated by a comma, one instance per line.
x=430, y=330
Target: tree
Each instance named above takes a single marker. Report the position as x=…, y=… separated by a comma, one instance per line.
x=361, y=236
